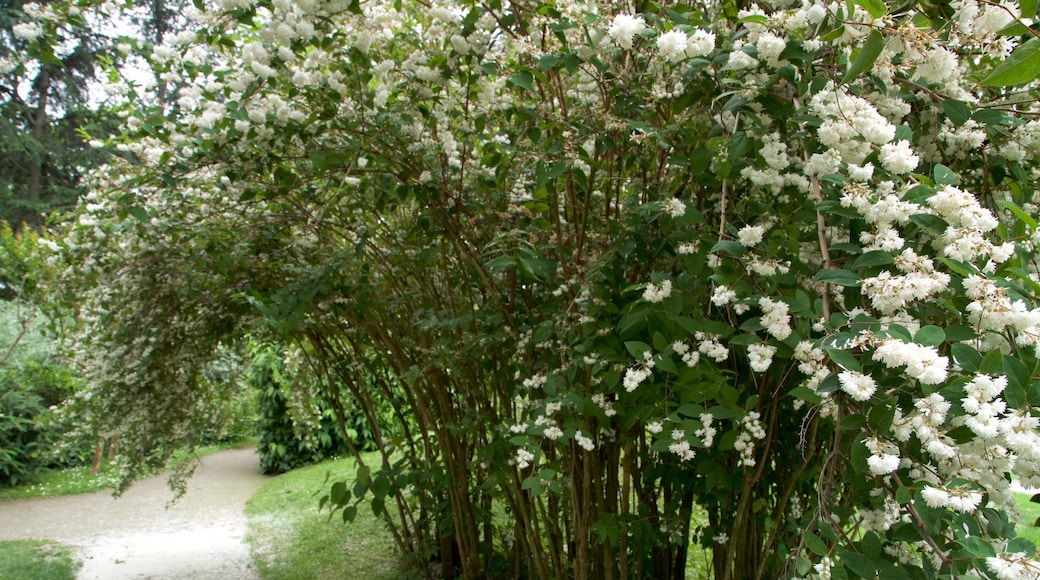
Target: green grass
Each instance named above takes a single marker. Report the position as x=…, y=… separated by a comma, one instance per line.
x=1030, y=513
x=291, y=540
x=37, y=559
x=75, y=480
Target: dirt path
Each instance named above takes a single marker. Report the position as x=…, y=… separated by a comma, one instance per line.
x=136, y=536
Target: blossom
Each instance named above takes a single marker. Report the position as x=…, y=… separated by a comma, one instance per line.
x=922, y=362
x=674, y=207
x=658, y=292
x=898, y=157
x=723, y=295
x=583, y=441
x=524, y=458
x=672, y=45
x=883, y=463
x=775, y=318
x=760, y=356
x=750, y=235
x=857, y=385
x=28, y=31
x=624, y=28
x=701, y=43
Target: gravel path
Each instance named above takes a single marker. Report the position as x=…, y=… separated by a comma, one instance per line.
x=140, y=536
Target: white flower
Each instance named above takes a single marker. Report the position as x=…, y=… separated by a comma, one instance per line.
x=760, y=356
x=857, y=385
x=524, y=458
x=28, y=31
x=750, y=235
x=553, y=433
x=934, y=497
x=672, y=45
x=654, y=427
x=584, y=441
x=898, y=157
x=674, y=207
x=700, y=43
x=624, y=29
x=723, y=295
x=922, y=362
x=657, y=292
x=775, y=318
x=883, y=463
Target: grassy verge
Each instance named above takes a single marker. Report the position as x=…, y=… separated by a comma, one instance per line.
x=36, y=559
x=75, y=480
x=291, y=540
x=1030, y=513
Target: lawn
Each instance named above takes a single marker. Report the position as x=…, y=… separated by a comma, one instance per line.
x=291, y=540
x=36, y=559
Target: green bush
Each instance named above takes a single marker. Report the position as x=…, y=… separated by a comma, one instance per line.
x=287, y=441
x=34, y=380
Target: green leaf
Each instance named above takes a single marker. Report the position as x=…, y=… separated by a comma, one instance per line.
x=837, y=277
x=992, y=363
x=977, y=547
x=956, y=111
x=815, y=544
x=868, y=53
x=930, y=336
x=755, y=19
x=637, y=349
x=523, y=79
x=1021, y=67
x=943, y=175
x=1027, y=8
x=858, y=564
x=853, y=422
x=876, y=8
x=806, y=394
x=842, y=359
x=874, y=258
x=349, y=513
x=1021, y=213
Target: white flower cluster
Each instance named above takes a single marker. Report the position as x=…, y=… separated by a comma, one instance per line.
x=723, y=295
x=689, y=357
x=634, y=376
x=584, y=442
x=992, y=309
x=675, y=45
x=760, y=356
x=922, y=362
x=965, y=239
x=710, y=346
x=751, y=430
x=884, y=457
x=851, y=125
x=657, y=292
x=1014, y=566
x=857, y=385
x=524, y=458
x=958, y=499
x=707, y=431
x=624, y=29
x=920, y=280
x=680, y=446
x=775, y=317
x=982, y=404
x=812, y=363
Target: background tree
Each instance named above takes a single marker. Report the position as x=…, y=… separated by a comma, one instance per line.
x=45, y=110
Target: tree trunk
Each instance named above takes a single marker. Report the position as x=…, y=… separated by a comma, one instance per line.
x=39, y=124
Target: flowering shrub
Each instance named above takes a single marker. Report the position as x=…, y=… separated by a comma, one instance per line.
x=614, y=262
